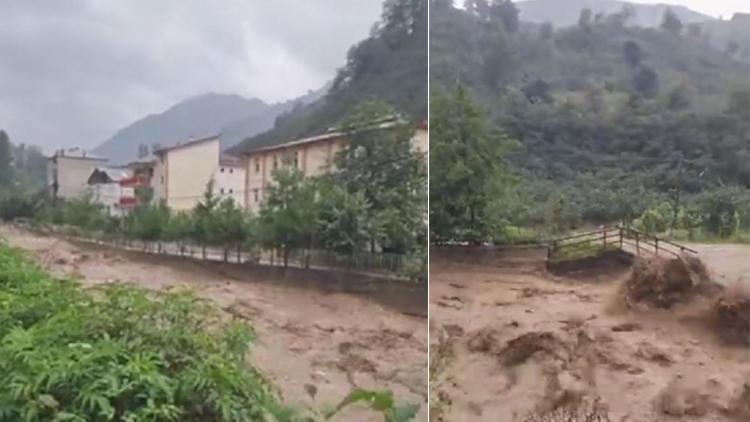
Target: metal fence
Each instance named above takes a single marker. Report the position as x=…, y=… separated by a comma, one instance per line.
x=368, y=262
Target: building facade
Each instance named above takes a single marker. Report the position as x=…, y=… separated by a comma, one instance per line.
x=313, y=156
x=143, y=174
x=114, y=189
x=68, y=172
x=183, y=171
x=229, y=179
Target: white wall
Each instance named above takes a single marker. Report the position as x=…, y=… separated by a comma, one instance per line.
x=229, y=181
x=72, y=174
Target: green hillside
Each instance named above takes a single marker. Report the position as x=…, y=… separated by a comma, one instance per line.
x=390, y=65
x=611, y=119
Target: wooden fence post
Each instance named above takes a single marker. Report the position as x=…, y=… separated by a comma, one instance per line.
x=604, y=237
x=656, y=245
x=621, y=235
x=637, y=245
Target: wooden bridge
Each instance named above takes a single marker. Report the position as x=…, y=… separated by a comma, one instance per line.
x=620, y=238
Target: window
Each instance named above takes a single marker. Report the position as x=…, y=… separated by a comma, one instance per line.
x=255, y=194
x=275, y=162
x=296, y=159
x=231, y=170
x=222, y=169
x=221, y=191
x=231, y=190
x=161, y=180
x=257, y=165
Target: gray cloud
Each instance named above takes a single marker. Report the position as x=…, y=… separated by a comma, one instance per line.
x=73, y=72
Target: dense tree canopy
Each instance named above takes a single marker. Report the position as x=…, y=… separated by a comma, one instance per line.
x=469, y=171
x=381, y=165
x=605, y=113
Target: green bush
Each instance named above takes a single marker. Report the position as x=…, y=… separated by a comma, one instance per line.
x=120, y=353
x=15, y=203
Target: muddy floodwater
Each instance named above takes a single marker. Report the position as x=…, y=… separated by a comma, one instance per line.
x=509, y=341
x=315, y=341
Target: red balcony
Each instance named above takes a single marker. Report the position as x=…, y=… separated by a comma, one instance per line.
x=128, y=201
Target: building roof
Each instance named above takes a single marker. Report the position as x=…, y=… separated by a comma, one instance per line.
x=310, y=139
x=227, y=160
x=77, y=153
x=189, y=143
x=141, y=162
x=332, y=133
x=108, y=175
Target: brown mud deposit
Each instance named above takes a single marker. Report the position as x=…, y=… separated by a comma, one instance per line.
x=318, y=337
x=731, y=314
x=559, y=350
x=664, y=282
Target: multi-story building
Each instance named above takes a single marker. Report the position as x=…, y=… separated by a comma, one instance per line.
x=229, y=179
x=312, y=155
x=114, y=189
x=68, y=172
x=182, y=173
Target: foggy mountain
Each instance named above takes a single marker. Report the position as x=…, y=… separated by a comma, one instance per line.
x=234, y=116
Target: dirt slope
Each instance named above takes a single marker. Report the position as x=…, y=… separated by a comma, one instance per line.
x=307, y=336
x=509, y=340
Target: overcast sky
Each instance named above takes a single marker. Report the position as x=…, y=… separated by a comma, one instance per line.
x=73, y=72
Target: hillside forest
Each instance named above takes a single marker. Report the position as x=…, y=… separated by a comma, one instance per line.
x=390, y=65
x=600, y=122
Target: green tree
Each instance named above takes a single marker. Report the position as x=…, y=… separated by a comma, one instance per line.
x=204, y=220
x=678, y=99
x=585, y=19
x=720, y=208
x=288, y=217
x=6, y=160
x=232, y=228
x=178, y=229
x=671, y=23
x=148, y=222
x=342, y=219
x=632, y=52
x=471, y=154
x=646, y=81
x=380, y=163
x=84, y=213
x=505, y=12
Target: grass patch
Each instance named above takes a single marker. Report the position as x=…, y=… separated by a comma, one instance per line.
x=702, y=236
x=581, y=249
x=515, y=235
